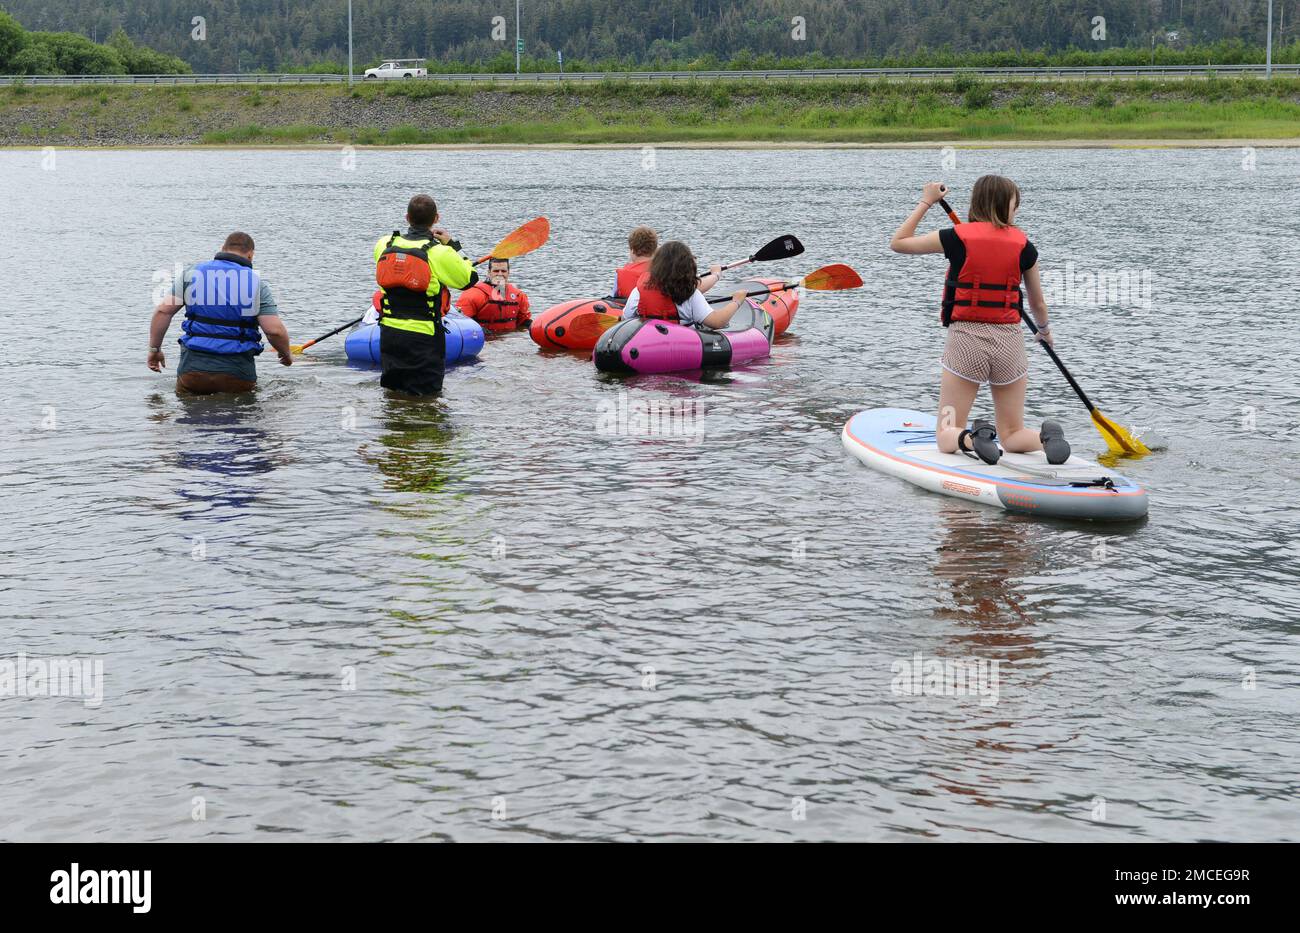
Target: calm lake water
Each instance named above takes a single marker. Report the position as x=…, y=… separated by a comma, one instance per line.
x=334, y=615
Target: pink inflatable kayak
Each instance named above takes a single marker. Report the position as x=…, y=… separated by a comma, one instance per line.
x=641, y=345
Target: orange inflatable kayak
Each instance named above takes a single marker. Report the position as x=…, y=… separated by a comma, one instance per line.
x=577, y=324
x=782, y=305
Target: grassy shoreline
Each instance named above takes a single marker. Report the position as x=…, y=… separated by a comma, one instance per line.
x=963, y=111
x=1292, y=142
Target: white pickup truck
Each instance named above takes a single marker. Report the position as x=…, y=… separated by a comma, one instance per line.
x=399, y=68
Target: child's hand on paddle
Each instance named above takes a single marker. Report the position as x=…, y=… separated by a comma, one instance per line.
x=933, y=191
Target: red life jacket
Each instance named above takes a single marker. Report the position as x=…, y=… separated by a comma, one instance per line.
x=987, y=286
x=652, y=302
x=625, y=279
x=497, y=313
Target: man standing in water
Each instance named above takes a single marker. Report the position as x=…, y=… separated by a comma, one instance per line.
x=227, y=308
x=416, y=271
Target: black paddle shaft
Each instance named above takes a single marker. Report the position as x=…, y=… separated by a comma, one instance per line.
x=947, y=209
x=786, y=246
x=783, y=287
x=312, y=343
x=1057, y=360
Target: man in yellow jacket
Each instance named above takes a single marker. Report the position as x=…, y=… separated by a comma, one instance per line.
x=415, y=271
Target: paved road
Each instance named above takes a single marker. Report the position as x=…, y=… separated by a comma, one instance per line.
x=899, y=74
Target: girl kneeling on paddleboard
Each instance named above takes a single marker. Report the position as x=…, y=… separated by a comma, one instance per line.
x=671, y=290
x=988, y=258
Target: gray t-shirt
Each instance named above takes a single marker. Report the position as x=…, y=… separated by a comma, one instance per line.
x=239, y=365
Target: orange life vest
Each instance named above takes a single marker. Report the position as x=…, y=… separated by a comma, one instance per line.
x=987, y=286
x=404, y=266
x=653, y=303
x=496, y=313
x=625, y=278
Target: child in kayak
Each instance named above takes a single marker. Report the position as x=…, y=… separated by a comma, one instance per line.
x=671, y=289
x=641, y=245
x=988, y=258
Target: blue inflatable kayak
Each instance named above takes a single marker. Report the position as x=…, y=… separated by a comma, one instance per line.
x=901, y=443
x=464, y=340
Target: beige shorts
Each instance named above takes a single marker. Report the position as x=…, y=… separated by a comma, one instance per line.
x=992, y=353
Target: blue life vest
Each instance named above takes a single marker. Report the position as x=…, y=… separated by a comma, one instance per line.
x=221, y=303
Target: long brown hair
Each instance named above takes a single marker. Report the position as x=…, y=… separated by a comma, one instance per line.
x=673, y=271
x=991, y=200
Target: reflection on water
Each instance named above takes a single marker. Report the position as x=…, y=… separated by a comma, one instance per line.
x=415, y=451
x=402, y=610
x=221, y=442
x=984, y=562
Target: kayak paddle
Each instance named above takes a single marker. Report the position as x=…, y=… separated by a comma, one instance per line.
x=299, y=347
x=524, y=239
x=1119, y=439
x=592, y=326
x=833, y=278
x=783, y=247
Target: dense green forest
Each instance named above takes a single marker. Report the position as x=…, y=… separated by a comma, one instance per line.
x=456, y=34
x=24, y=52
x=247, y=35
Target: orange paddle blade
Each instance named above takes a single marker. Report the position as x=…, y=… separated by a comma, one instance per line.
x=832, y=278
x=586, y=329
x=524, y=240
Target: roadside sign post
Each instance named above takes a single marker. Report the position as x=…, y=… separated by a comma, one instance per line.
x=349, y=43
x=519, y=40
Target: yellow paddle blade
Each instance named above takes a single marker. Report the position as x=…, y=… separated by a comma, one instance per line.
x=1118, y=438
x=832, y=278
x=295, y=348
x=524, y=240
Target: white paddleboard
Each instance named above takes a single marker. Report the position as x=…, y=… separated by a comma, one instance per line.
x=901, y=442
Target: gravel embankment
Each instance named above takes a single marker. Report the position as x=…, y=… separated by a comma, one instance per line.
x=169, y=117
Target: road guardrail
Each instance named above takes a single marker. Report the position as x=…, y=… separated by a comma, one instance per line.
x=1093, y=72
